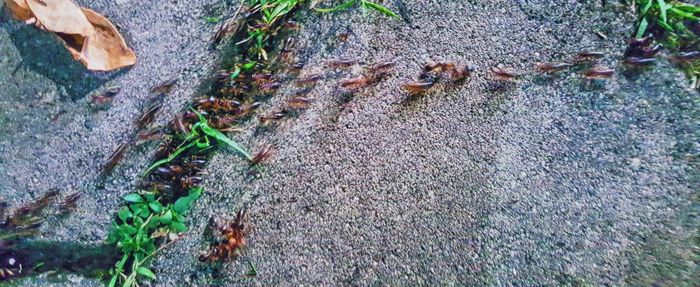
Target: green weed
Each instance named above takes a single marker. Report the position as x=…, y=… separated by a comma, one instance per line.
x=138, y=227
x=668, y=21
x=670, y=16
x=271, y=11
x=364, y=4
x=200, y=137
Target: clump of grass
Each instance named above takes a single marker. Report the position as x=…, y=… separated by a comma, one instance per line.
x=264, y=28
x=364, y=4
x=672, y=23
x=140, y=227
x=671, y=16
x=200, y=136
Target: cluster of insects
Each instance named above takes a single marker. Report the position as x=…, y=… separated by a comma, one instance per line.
x=434, y=72
x=234, y=99
x=25, y=222
x=229, y=240
x=142, y=123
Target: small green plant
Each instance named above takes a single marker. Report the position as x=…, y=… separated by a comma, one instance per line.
x=212, y=20
x=200, y=136
x=668, y=22
x=138, y=227
x=670, y=16
x=364, y=4
x=260, y=32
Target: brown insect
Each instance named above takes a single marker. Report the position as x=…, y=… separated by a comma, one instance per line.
x=639, y=62
x=194, y=163
x=382, y=67
x=38, y=205
x=343, y=37
x=180, y=125
x=439, y=67
x=190, y=116
x=599, y=73
x=310, y=80
x=291, y=25
x=169, y=171
x=504, y=74
x=217, y=105
x=249, y=108
x=223, y=122
x=260, y=26
x=266, y=152
x=187, y=182
x=271, y=117
x=157, y=186
x=268, y=87
x=355, y=83
x=115, y=158
x=298, y=102
x=104, y=99
x=418, y=87
x=229, y=27
x=588, y=55
x=686, y=57
x=463, y=73
x=231, y=239
x=165, y=149
x=338, y=64
x=642, y=42
x=164, y=87
x=148, y=116
x=552, y=67
x=223, y=75
x=69, y=203
x=149, y=135
x=260, y=78
x=650, y=52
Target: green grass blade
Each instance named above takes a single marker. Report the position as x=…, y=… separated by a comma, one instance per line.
x=663, y=8
x=687, y=8
x=169, y=158
x=684, y=14
x=642, y=28
x=219, y=136
x=340, y=7
x=381, y=9
x=647, y=7
x=665, y=26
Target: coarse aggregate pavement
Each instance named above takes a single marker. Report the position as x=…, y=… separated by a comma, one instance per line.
x=546, y=180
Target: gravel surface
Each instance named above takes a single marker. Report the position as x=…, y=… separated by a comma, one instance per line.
x=549, y=180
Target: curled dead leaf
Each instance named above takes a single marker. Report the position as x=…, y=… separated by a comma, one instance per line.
x=106, y=49
x=90, y=37
x=61, y=16
x=19, y=9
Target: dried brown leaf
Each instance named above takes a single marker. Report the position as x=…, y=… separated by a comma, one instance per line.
x=61, y=16
x=105, y=50
x=19, y=9
x=89, y=36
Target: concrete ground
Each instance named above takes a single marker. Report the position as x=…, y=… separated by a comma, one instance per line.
x=552, y=180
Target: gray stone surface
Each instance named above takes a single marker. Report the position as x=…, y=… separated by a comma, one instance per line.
x=553, y=180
